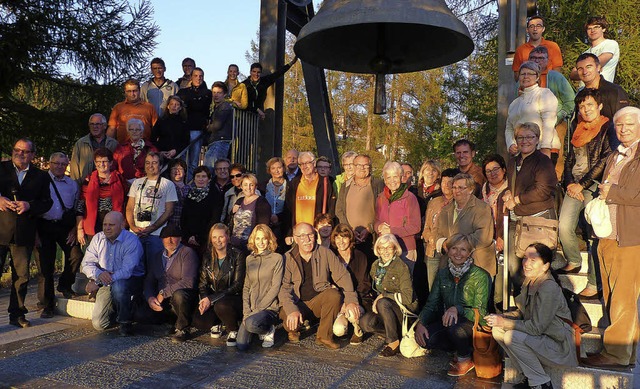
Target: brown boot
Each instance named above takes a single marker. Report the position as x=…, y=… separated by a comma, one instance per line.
x=461, y=368
x=294, y=336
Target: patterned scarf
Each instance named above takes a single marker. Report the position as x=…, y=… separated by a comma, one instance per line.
x=458, y=271
x=137, y=148
x=381, y=271
x=198, y=194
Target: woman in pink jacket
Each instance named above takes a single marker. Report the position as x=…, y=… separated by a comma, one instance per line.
x=398, y=212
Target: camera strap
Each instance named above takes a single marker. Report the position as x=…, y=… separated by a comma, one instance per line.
x=155, y=192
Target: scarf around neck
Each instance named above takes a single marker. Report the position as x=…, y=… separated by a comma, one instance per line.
x=585, y=132
x=458, y=271
x=396, y=195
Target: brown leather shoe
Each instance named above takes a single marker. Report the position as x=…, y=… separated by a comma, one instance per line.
x=294, y=337
x=387, y=351
x=328, y=343
x=600, y=361
x=461, y=368
x=355, y=340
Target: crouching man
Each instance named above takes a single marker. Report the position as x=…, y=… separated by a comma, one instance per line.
x=113, y=264
x=307, y=292
x=170, y=283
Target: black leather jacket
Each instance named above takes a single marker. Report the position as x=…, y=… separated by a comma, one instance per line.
x=226, y=280
x=598, y=149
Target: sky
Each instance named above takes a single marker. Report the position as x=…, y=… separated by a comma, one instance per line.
x=215, y=33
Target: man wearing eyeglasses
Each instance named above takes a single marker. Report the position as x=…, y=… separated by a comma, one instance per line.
x=24, y=195
x=356, y=205
x=81, y=163
x=308, y=291
x=535, y=29
x=308, y=195
x=58, y=227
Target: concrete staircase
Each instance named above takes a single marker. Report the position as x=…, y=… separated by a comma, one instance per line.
x=582, y=377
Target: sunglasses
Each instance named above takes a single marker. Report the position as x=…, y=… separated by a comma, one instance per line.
x=236, y=175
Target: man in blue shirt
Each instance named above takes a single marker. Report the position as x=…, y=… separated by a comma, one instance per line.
x=113, y=263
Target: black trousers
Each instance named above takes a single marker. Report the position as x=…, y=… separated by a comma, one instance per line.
x=178, y=309
x=20, y=257
x=51, y=233
x=227, y=310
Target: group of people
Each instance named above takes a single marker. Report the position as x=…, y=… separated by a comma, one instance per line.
x=209, y=247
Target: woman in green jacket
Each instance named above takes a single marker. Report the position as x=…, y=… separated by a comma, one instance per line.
x=391, y=280
x=446, y=320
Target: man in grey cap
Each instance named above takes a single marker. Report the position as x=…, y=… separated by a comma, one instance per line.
x=170, y=283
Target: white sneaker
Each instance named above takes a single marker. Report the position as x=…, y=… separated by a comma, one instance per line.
x=269, y=338
x=231, y=338
x=216, y=331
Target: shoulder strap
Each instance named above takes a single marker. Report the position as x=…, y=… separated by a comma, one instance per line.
x=64, y=208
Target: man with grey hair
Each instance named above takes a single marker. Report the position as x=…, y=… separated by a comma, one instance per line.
x=24, y=195
x=347, y=169
x=308, y=195
x=618, y=251
x=57, y=227
x=81, y=163
x=313, y=286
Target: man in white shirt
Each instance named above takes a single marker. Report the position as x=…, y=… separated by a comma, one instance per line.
x=607, y=50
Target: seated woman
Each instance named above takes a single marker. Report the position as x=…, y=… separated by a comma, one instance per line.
x=588, y=152
x=171, y=132
x=392, y=283
x=343, y=244
x=262, y=282
x=201, y=209
x=446, y=320
x=129, y=157
x=249, y=210
x=221, y=281
x=102, y=191
x=535, y=334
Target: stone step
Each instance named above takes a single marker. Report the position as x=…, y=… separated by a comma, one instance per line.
x=78, y=307
x=577, y=377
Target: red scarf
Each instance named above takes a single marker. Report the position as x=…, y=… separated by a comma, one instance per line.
x=585, y=132
x=116, y=188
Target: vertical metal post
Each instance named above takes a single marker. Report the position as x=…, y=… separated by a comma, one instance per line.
x=505, y=265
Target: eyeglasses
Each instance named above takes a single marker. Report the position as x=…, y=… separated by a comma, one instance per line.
x=528, y=138
x=309, y=236
x=528, y=74
x=362, y=166
x=536, y=58
x=459, y=187
x=593, y=28
x=221, y=169
x=21, y=151
x=102, y=162
x=347, y=165
x=387, y=248
x=535, y=26
x=495, y=170
x=236, y=175
x=322, y=167
x=306, y=163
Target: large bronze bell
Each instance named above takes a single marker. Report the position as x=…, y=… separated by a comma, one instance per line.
x=383, y=36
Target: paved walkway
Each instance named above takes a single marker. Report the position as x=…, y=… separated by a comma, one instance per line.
x=68, y=353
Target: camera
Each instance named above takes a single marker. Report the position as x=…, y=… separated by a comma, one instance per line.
x=144, y=216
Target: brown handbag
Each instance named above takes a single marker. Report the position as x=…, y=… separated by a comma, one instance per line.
x=535, y=229
x=486, y=353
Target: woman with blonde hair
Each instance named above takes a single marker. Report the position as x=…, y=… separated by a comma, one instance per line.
x=264, y=270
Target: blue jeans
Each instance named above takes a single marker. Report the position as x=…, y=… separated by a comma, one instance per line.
x=115, y=299
x=152, y=246
x=218, y=149
x=569, y=215
x=194, y=153
x=259, y=323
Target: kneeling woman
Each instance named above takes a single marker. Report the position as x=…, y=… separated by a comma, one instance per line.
x=261, y=286
x=536, y=334
x=446, y=321
x=221, y=280
x=392, y=283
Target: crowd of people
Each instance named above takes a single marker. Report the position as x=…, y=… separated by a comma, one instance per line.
x=210, y=248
